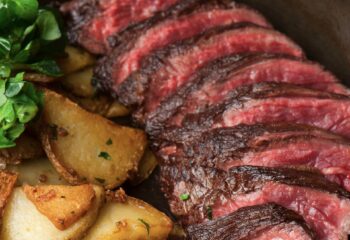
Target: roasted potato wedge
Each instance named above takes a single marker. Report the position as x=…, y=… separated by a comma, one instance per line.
x=37, y=172
x=7, y=184
x=26, y=148
x=104, y=106
x=147, y=164
x=130, y=218
x=79, y=83
x=62, y=205
x=76, y=60
x=23, y=221
x=85, y=147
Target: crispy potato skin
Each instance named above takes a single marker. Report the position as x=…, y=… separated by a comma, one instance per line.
x=103, y=106
x=63, y=205
x=7, y=184
x=76, y=60
x=79, y=83
x=147, y=164
x=23, y=221
x=26, y=148
x=124, y=218
x=76, y=142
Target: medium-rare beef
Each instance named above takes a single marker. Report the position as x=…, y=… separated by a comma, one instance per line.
x=324, y=205
x=271, y=145
x=261, y=222
x=212, y=83
x=93, y=23
x=168, y=69
x=271, y=103
x=138, y=44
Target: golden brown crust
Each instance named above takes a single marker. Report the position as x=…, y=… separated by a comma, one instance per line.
x=7, y=183
x=62, y=205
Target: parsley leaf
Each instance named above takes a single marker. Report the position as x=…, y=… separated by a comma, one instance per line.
x=105, y=155
x=109, y=142
x=18, y=105
x=209, y=213
x=184, y=197
x=147, y=226
x=100, y=180
x=31, y=38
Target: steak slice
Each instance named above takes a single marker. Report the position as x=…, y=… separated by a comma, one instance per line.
x=215, y=81
x=168, y=69
x=324, y=205
x=271, y=103
x=127, y=57
x=261, y=222
x=91, y=23
x=270, y=145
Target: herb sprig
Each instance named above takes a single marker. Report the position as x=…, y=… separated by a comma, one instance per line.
x=30, y=39
x=147, y=226
x=19, y=103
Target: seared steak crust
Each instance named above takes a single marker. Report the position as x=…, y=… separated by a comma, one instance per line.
x=250, y=222
x=206, y=186
x=97, y=24
x=214, y=71
x=180, y=22
x=247, y=97
x=214, y=147
x=212, y=83
x=168, y=69
x=133, y=90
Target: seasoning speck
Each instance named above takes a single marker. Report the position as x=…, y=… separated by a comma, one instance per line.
x=184, y=197
x=147, y=226
x=105, y=155
x=109, y=142
x=100, y=180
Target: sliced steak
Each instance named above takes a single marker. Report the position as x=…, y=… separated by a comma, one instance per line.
x=140, y=43
x=261, y=222
x=168, y=69
x=270, y=145
x=91, y=23
x=215, y=81
x=271, y=103
x=324, y=205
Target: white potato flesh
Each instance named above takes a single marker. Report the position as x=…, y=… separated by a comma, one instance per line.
x=125, y=221
x=37, y=172
x=93, y=149
x=22, y=220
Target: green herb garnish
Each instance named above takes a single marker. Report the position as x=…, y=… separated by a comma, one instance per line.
x=30, y=38
x=109, y=142
x=100, y=180
x=147, y=226
x=209, y=213
x=105, y=155
x=184, y=197
x=19, y=103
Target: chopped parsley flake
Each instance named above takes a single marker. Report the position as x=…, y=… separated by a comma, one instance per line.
x=147, y=226
x=109, y=142
x=105, y=155
x=184, y=197
x=209, y=213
